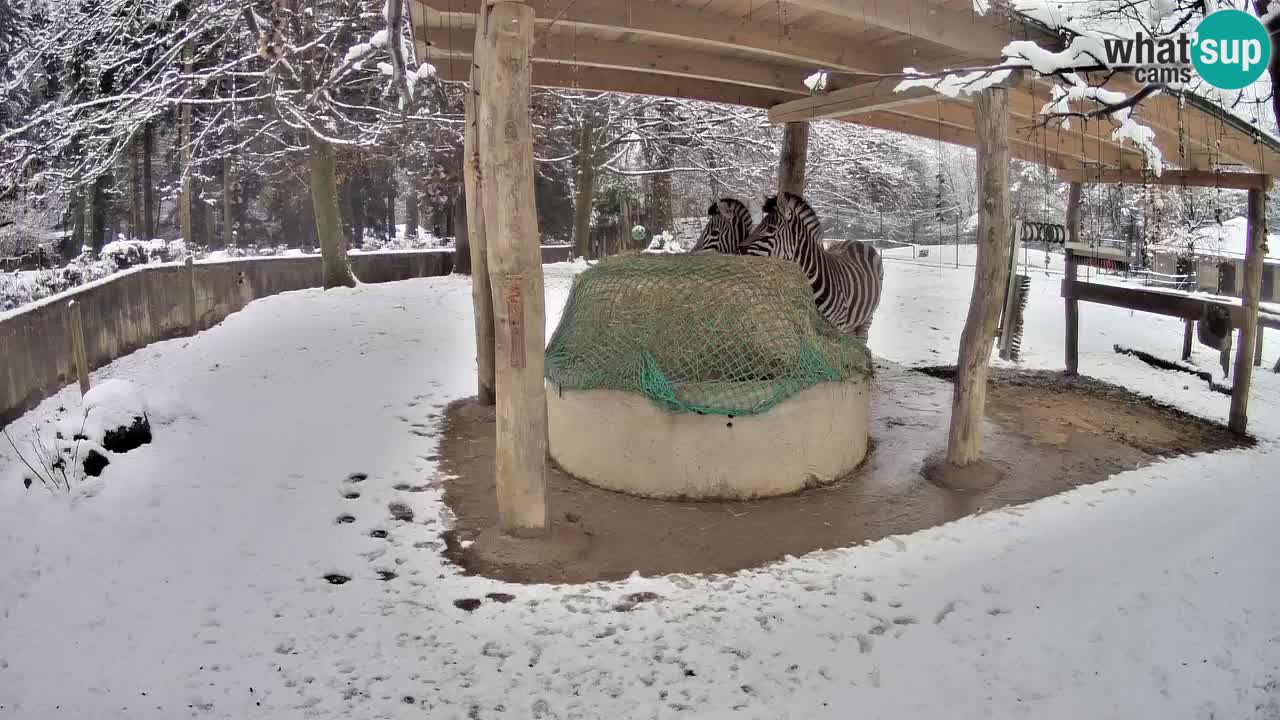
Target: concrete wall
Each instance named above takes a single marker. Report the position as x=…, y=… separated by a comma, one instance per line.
x=132, y=309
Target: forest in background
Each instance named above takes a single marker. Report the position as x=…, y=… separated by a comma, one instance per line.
x=164, y=119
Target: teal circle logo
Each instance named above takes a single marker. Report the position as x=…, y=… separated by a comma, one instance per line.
x=1233, y=49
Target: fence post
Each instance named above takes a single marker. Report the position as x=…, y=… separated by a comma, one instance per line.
x=1257, y=347
x=192, y=320
x=76, y=327
x=1072, y=361
x=1188, y=332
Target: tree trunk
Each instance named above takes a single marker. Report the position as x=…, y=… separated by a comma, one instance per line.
x=411, y=214
x=95, y=214
x=324, y=201
x=76, y=217
x=624, y=207
x=461, y=240
x=964, y=442
x=392, y=230
x=583, y=190
x=477, y=261
x=511, y=224
x=1250, y=293
x=148, y=187
x=660, y=209
x=355, y=200
x=794, y=155
x=134, y=194
x=186, y=197
x=230, y=202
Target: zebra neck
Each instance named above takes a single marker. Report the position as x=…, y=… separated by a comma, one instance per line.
x=815, y=264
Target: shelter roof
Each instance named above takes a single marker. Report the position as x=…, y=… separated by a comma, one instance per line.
x=758, y=54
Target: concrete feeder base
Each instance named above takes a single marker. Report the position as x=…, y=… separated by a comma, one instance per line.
x=622, y=441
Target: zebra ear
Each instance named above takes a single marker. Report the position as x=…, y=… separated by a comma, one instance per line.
x=770, y=204
x=714, y=209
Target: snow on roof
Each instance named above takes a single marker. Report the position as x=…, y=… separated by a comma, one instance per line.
x=1249, y=106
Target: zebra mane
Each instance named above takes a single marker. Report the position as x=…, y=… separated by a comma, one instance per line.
x=735, y=207
x=798, y=206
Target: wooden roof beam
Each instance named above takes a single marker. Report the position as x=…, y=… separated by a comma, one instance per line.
x=1194, y=178
x=660, y=19
x=864, y=98
x=554, y=75
x=979, y=36
x=557, y=47
x=1038, y=141
x=930, y=130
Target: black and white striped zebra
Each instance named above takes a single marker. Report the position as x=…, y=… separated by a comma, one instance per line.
x=846, y=282
x=728, y=224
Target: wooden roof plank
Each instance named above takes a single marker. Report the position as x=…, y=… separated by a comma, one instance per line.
x=863, y=98
x=1193, y=178
x=663, y=20
x=748, y=57
x=978, y=35
x=552, y=75
x=565, y=48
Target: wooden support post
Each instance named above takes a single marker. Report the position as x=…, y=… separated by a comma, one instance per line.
x=795, y=153
x=481, y=286
x=1249, y=296
x=515, y=266
x=76, y=327
x=1188, y=336
x=1072, y=305
x=193, y=320
x=1257, y=348
x=991, y=113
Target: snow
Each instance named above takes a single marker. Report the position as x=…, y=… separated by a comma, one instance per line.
x=114, y=403
x=954, y=85
x=187, y=581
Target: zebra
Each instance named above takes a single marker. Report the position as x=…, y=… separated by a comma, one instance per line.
x=846, y=282
x=728, y=224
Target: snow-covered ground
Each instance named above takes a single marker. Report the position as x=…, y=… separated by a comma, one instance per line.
x=188, y=580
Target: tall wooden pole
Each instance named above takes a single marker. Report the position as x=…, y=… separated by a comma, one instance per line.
x=991, y=114
x=1069, y=274
x=1249, y=296
x=515, y=265
x=76, y=328
x=473, y=183
x=795, y=153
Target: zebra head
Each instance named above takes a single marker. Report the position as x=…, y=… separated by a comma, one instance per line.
x=788, y=225
x=728, y=223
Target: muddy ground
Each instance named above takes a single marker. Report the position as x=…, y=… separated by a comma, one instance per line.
x=1045, y=433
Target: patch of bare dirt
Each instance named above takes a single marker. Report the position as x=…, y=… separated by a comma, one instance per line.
x=1046, y=433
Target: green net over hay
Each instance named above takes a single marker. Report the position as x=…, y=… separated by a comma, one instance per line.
x=706, y=333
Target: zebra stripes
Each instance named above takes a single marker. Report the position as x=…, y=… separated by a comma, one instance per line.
x=728, y=224
x=846, y=282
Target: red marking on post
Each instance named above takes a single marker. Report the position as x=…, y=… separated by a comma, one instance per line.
x=515, y=320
